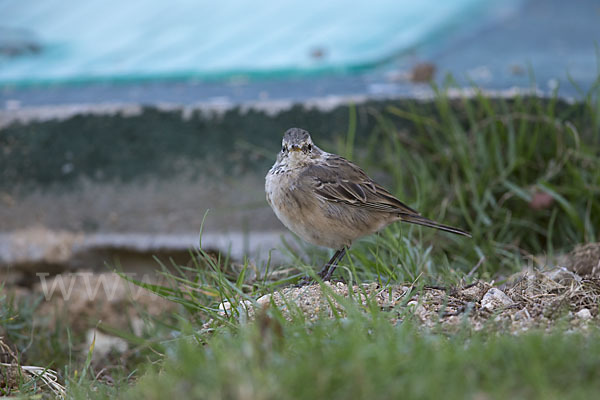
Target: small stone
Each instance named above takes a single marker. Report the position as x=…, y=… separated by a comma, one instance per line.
x=224, y=306
x=495, y=299
x=584, y=313
x=244, y=305
x=522, y=315
x=264, y=300
x=474, y=292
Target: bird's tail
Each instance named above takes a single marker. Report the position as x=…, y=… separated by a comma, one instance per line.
x=417, y=219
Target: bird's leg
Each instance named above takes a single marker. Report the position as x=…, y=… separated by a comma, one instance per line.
x=329, y=268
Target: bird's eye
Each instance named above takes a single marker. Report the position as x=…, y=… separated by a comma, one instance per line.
x=309, y=147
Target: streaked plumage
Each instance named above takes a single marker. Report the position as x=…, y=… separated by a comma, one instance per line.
x=330, y=201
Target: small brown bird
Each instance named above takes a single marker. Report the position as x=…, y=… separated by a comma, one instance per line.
x=329, y=201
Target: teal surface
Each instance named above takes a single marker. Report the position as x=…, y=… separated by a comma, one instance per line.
x=72, y=40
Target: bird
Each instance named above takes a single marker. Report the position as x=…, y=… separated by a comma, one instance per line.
x=330, y=201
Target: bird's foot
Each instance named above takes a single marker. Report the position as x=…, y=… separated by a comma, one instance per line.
x=325, y=276
x=304, y=281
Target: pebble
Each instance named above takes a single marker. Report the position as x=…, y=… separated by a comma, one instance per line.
x=244, y=305
x=495, y=299
x=584, y=313
x=522, y=315
x=263, y=300
x=475, y=292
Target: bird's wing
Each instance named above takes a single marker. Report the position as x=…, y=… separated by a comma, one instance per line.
x=339, y=180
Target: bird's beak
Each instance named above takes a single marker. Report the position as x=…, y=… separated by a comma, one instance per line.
x=295, y=148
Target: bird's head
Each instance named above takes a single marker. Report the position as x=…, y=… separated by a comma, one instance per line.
x=297, y=145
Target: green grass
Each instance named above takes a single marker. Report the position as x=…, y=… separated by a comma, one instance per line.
x=478, y=163
x=367, y=357
x=475, y=163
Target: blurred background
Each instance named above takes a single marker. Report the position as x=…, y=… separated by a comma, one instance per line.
x=121, y=123
x=184, y=51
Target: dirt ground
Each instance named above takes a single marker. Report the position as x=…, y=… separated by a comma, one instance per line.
x=532, y=298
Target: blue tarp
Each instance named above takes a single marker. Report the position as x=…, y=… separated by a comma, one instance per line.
x=73, y=40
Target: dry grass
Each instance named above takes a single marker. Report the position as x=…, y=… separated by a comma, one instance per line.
x=26, y=379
